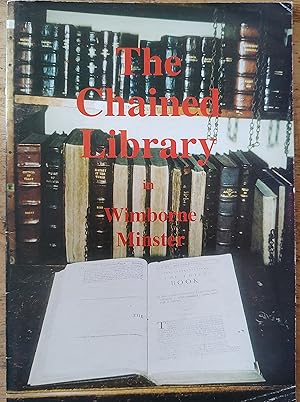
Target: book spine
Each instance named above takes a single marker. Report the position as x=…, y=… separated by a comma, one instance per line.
x=185, y=202
x=28, y=213
x=115, y=62
x=49, y=59
x=245, y=209
x=52, y=192
x=25, y=58
x=172, y=85
x=228, y=73
x=100, y=197
x=80, y=58
x=191, y=66
x=105, y=67
x=66, y=72
x=92, y=63
x=152, y=80
x=227, y=209
x=210, y=216
x=246, y=68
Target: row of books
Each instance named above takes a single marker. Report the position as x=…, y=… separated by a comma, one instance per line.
x=73, y=208
x=60, y=60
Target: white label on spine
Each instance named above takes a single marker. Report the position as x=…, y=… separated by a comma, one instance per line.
x=10, y=24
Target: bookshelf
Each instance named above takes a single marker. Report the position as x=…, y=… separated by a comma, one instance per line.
x=53, y=104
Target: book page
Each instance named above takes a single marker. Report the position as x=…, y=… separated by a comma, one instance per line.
x=196, y=319
x=95, y=324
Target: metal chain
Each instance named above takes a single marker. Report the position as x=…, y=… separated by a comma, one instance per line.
x=258, y=94
x=288, y=125
x=213, y=134
x=86, y=248
x=271, y=247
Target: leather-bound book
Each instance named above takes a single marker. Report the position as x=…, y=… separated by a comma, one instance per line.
x=49, y=57
x=126, y=85
x=191, y=66
x=25, y=57
x=29, y=156
x=197, y=199
x=175, y=176
x=211, y=201
x=185, y=203
x=245, y=199
x=152, y=81
x=228, y=73
x=206, y=65
x=258, y=164
x=172, y=85
x=93, y=61
x=264, y=222
x=121, y=202
x=115, y=62
x=101, y=176
x=76, y=191
x=227, y=202
x=80, y=60
x=53, y=196
x=66, y=72
x=105, y=67
x=247, y=49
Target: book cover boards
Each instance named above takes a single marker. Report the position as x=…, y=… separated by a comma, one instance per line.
x=150, y=199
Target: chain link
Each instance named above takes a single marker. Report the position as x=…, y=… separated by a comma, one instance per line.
x=288, y=125
x=86, y=228
x=258, y=93
x=213, y=133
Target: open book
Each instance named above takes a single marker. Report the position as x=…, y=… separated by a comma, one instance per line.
x=179, y=321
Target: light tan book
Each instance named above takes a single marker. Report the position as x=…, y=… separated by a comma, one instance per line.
x=76, y=172
x=263, y=238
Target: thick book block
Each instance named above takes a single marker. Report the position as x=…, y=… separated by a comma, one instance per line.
x=139, y=200
x=159, y=176
x=264, y=223
x=66, y=73
x=211, y=201
x=76, y=197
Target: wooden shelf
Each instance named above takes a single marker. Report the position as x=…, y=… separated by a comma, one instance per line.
x=153, y=390
x=71, y=103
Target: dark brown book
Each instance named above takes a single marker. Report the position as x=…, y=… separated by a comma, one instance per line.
x=25, y=55
x=99, y=236
x=29, y=157
x=52, y=193
x=227, y=202
x=245, y=199
x=248, y=53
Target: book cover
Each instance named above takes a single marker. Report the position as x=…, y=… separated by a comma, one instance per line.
x=150, y=201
